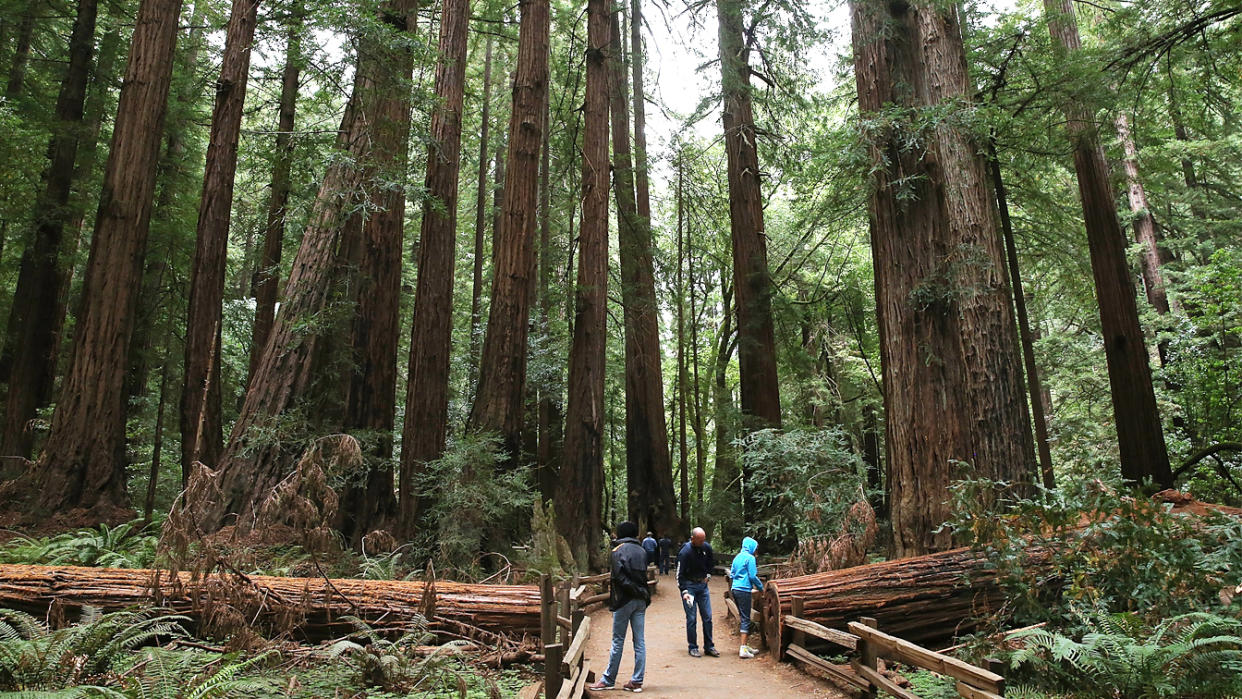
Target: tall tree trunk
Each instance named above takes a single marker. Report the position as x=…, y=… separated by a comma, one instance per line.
x=21, y=52
x=578, y=513
x=267, y=277
x=431, y=335
x=1146, y=231
x=642, y=183
x=499, y=402
x=1035, y=388
x=157, y=446
x=946, y=324
x=650, y=500
x=480, y=213
x=700, y=454
x=200, y=419
x=1139, y=432
x=550, y=393
x=726, y=482
x=252, y=462
x=752, y=281
x=679, y=395
x=84, y=463
x=33, y=328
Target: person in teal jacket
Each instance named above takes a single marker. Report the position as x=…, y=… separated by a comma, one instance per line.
x=745, y=576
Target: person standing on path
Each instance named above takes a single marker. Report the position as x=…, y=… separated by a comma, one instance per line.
x=651, y=547
x=694, y=569
x=666, y=551
x=628, y=598
x=745, y=576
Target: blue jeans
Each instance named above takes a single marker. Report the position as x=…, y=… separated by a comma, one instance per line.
x=633, y=614
x=742, y=598
x=703, y=601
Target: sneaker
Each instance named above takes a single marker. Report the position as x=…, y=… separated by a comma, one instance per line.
x=745, y=652
x=601, y=686
x=694, y=653
x=712, y=652
x=632, y=686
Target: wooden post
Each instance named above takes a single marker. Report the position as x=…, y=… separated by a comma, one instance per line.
x=562, y=596
x=552, y=677
x=796, y=606
x=869, y=654
x=547, y=612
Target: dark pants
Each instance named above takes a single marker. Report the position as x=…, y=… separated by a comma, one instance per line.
x=742, y=599
x=703, y=601
x=663, y=564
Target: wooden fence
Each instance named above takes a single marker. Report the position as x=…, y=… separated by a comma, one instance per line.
x=562, y=610
x=868, y=645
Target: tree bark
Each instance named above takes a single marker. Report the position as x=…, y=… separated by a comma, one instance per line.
x=16, y=83
x=84, y=463
x=726, y=481
x=321, y=607
x=549, y=394
x=650, y=501
x=1146, y=231
x=499, y=403
x=480, y=213
x=34, y=317
x=200, y=418
x=1039, y=410
x=267, y=276
x=752, y=282
x=431, y=334
x=953, y=394
x=1139, y=432
x=254, y=461
x=578, y=506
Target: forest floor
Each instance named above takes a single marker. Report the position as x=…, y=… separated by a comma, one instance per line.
x=671, y=672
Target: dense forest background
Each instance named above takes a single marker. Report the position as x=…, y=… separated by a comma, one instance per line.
x=419, y=245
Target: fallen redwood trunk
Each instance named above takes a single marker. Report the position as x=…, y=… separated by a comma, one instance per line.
x=923, y=598
x=308, y=607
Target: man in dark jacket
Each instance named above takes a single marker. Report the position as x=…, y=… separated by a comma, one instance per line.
x=666, y=552
x=694, y=569
x=628, y=600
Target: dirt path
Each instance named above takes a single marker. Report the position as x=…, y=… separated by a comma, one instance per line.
x=671, y=672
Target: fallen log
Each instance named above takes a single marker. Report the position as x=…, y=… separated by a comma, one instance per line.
x=924, y=598
x=311, y=608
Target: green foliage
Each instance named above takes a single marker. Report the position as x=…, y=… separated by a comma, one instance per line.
x=380, y=661
x=1190, y=655
x=1092, y=546
x=475, y=497
x=128, y=545
x=803, y=480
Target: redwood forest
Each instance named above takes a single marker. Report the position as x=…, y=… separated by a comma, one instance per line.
x=340, y=338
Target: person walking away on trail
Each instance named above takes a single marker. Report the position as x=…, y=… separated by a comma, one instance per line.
x=628, y=598
x=666, y=551
x=650, y=546
x=745, y=576
x=694, y=569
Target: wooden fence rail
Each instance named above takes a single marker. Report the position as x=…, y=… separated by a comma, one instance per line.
x=868, y=645
x=562, y=608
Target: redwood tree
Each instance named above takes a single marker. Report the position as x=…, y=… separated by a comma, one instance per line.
x=499, y=404
x=578, y=504
x=266, y=277
x=201, y=422
x=752, y=281
x=34, y=320
x=426, y=412
x=84, y=462
x=255, y=460
x=952, y=389
x=650, y=499
x=1139, y=432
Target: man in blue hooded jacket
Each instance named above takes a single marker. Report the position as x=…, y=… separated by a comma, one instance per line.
x=745, y=576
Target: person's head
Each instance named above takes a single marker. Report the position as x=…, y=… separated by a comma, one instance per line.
x=697, y=537
x=649, y=535
x=749, y=545
x=627, y=530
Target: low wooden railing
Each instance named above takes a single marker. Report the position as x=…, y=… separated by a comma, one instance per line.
x=868, y=645
x=562, y=609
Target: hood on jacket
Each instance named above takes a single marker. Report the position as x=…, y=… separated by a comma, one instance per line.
x=749, y=545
